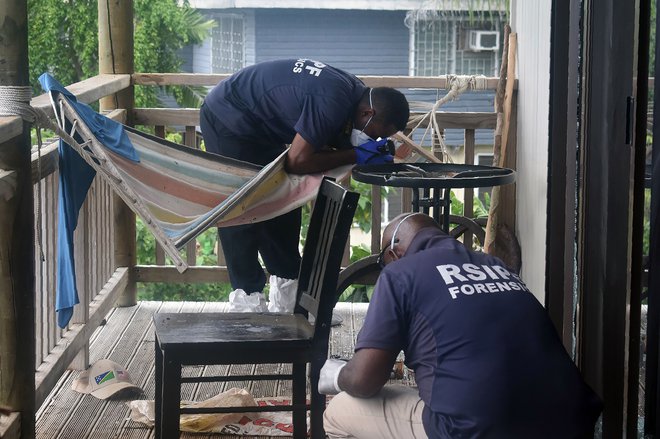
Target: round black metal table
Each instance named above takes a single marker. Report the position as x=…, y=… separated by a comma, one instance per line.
x=432, y=182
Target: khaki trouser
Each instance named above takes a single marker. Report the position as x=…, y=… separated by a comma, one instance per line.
x=395, y=412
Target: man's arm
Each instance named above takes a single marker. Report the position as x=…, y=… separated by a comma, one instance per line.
x=367, y=372
x=303, y=158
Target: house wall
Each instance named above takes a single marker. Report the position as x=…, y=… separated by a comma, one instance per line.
x=201, y=62
x=361, y=42
x=531, y=21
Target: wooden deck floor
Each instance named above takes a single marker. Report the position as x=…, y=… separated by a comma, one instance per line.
x=128, y=339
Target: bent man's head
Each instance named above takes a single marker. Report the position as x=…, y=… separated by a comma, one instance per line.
x=399, y=233
x=382, y=111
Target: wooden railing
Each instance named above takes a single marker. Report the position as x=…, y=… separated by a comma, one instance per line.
x=100, y=282
x=160, y=118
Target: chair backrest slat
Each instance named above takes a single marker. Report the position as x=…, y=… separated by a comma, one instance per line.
x=328, y=232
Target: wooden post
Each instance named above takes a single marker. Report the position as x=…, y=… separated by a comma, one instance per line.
x=500, y=238
x=116, y=56
x=17, y=266
x=116, y=50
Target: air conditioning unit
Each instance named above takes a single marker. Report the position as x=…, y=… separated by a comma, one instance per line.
x=484, y=40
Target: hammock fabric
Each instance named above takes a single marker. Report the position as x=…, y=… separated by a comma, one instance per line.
x=177, y=191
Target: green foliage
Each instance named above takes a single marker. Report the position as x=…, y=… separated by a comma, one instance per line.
x=63, y=40
x=362, y=217
x=206, y=255
x=358, y=293
x=651, y=67
x=359, y=252
x=163, y=292
x=162, y=27
x=479, y=208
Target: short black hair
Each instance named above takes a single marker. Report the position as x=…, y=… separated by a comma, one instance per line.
x=392, y=106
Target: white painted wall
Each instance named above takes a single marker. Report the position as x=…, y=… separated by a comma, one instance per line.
x=531, y=21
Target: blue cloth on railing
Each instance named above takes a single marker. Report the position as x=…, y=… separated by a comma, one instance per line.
x=76, y=177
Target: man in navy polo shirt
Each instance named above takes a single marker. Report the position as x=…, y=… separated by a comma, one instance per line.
x=329, y=117
x=487, y=360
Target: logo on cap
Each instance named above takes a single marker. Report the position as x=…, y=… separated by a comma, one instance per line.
x=105, y=376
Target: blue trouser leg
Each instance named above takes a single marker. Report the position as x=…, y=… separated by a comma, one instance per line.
x=276, y=239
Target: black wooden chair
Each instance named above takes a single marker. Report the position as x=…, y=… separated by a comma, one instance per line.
x=263, y=338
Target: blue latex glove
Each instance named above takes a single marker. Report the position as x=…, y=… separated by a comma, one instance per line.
x=373, y=152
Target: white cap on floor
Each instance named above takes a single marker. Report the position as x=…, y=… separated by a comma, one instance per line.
x=103, y=379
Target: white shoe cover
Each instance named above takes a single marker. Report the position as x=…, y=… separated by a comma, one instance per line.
x=239, y=301
x=282, y=295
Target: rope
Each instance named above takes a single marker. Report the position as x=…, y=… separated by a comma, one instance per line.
x=457, y=85
x=15, y=101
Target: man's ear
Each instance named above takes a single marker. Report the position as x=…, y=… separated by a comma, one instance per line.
x=393, y=254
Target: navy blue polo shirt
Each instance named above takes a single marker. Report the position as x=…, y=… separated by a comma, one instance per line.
x=272, y=101
x=487, y=359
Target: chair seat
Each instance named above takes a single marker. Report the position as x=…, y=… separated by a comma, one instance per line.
x=189, y=335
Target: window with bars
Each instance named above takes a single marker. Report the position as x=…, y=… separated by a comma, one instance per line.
x=228, y=43
x=441, y=46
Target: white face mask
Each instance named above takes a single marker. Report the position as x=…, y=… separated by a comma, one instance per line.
x=359, y=137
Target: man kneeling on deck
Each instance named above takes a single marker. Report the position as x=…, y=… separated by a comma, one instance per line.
x=486, y=357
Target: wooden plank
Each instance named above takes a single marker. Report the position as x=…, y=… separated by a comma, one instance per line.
x=61, y=356
x=143, y=364
x=81, y=249
x=408, y=142
x=166, y=116
x=465, y=120
x=87, y=91
x=507, y=201
x=7, y=184
x=468, y=202
x=127, y=338
x=10, y=127
x=116, y=49
x=46, y=164
x=78, y=411
x=53, y=332
x=118, y=115
x=169, y=273
x=10, y=426
x=134, y=351
x=190, y=116
x=39, y=279
x=17, y=265
x=211, y=80
x=342, y=341
x=508, y=95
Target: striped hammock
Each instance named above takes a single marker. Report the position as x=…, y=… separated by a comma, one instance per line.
x=177, y=191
